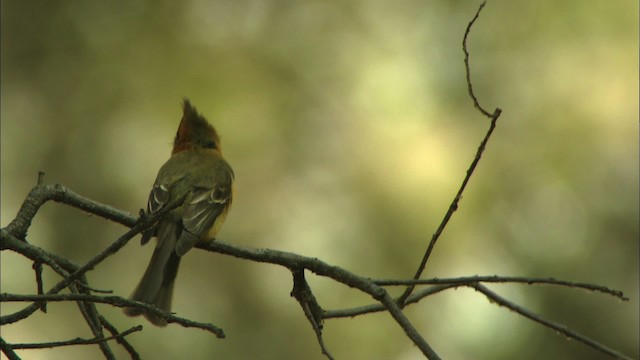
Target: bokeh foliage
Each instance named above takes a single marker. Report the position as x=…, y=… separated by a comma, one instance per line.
x=349, y=129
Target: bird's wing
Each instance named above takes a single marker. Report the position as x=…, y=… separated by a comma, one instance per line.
x=203, y=208
x=158, y=198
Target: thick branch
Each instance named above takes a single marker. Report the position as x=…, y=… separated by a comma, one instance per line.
x=289, y=260
x=319, y=267
x=8, y=350
x=39, y=195
x=139, y=226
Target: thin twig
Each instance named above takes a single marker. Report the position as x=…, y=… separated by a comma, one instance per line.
x=371, y=308
x=493, y=297
x=466, y=62
x=466, y=280
x=454, y=204
x=77, y=341
x=313, y=312
x=288, y=260
x=115, y=301
x=91, y=317
x=63, y=267
x=140, y=226
x=121, y=340
x=319, y=267
x=37, y=267
x=412, y=333
x=559, y=328
x=40, y=178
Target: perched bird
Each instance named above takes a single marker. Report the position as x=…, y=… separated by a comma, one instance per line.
x=196, y=171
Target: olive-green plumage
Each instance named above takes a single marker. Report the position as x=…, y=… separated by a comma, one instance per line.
x=198, y=172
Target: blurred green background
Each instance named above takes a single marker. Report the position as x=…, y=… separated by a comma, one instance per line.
x=349, y=129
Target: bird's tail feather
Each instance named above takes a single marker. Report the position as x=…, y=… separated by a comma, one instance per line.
x=156, y=286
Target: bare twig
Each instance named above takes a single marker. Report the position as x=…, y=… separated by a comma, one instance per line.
x=62, y=194
x=13, y=238
x=140, y=226
x=63, y=267
x=121, y=340
x=91, y=317
x=88, y=310
x=115, y=301
x=319, y=267
x=313, y=312
x=8, y=350
x=41, y=194
x=40, y=178
x=366, y=309
x=291, y=261
x=77, y=341
x=559, y=328
x=37, y=267
x=503, y=279
x=466, y=62
x=493, y=297
x=454, y=204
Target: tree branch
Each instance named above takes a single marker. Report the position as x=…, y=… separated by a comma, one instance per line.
x=41, y=194
x=73, y=276
x=115, y=301
x=319, y=267
x=121, y=340
x=8, y=350
x=454, y=204
x=366, y=309
x=77, y=341
x=561, y=329
x=468, y=280
x=63, y=267
x=77, y=200
x=313, y=312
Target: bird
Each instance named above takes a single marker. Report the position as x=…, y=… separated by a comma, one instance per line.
x=197, y=172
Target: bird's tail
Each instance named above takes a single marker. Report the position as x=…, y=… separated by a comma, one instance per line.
x=156, y=286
